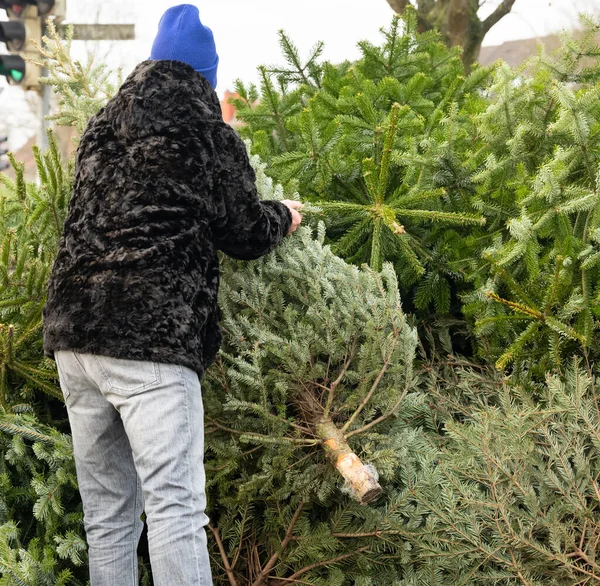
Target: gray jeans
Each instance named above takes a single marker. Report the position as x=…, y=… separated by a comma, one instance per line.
x=138, y=441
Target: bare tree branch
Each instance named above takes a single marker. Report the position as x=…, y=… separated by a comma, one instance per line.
x=382, y=417
x=423, y=7
x=398, y=6
x=368, y=396
x=225, y=560
x=288, y=536
x=503, y=9
x=321, y=564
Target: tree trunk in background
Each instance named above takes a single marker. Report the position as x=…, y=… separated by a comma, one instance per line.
x=398, y=5
x=457, y=21
x=464, y=29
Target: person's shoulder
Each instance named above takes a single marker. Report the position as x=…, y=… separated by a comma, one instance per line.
x=164, y=98
x=175, y=85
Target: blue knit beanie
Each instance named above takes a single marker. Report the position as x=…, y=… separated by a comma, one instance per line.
x=182, y=37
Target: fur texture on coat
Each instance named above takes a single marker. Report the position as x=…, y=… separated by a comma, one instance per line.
x=161, y=184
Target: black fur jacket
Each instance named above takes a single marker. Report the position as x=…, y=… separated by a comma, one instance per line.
x=161, y=184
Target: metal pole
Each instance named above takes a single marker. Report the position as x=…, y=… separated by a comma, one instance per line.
x=44, y=113
x=44, y=103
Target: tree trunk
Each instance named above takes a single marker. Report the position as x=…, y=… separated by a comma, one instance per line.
x=464, y=29
x=471, y=50
x=398, y=6
x=458, y=21
x=361, y=480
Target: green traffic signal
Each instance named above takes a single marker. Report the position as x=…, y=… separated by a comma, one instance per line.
x=16, y=76
x=23, y=32
x=13, y=74
x=12, y=67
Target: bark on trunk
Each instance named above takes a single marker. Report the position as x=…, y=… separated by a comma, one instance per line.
x=360, y=478
x=471, y=51
x=464, y=29
x=398, y=6
x=458, y=23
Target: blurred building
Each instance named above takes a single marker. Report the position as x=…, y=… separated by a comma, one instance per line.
x=228, y=109
x=515, y=52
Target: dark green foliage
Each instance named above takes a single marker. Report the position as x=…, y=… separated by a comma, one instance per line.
x=482, y=192
x=31, y=219
x=380, y=144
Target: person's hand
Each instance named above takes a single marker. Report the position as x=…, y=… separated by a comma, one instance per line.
x=294, y=206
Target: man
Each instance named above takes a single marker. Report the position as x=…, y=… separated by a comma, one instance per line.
x=161, y=184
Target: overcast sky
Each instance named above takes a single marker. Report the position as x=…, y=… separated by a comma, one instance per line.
x=246, y=31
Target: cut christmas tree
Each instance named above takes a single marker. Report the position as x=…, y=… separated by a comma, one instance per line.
x=329, y=462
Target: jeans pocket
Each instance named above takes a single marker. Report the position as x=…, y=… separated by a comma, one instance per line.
x=128, y=377
x=62, y=378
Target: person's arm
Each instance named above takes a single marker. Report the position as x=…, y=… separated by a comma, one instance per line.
x=245, y=227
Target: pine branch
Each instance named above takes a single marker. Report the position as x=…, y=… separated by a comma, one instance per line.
x=449, y=217
x=333, y=386
x=520, y=307
x=269, y=92
x=391, y=412
x=24, y=431
x=292, y=55
x=369, y=395
x=386, y=153
x=375, y=260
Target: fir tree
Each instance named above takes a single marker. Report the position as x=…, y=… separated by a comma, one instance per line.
x=514, y=499
x=538, y=278
x=408, y=160
x=385, y=147
x=316, y=366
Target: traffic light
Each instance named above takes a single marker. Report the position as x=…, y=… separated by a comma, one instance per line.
x=20, y=33
x=18, y=8
x=4, y=164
